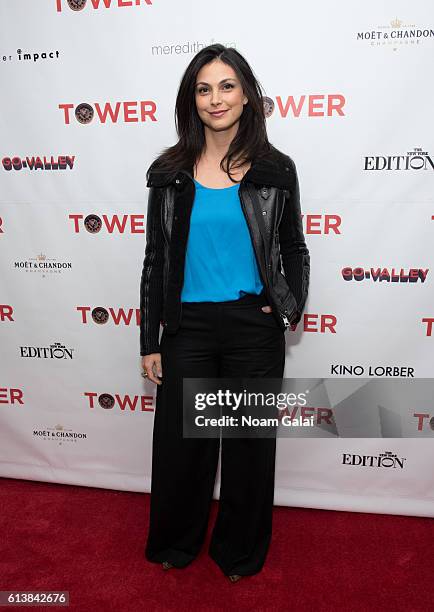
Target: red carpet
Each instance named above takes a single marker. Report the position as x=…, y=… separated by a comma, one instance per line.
x=90, y=542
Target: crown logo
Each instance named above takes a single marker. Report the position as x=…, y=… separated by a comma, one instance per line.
x=41, y=257
x=396, y=23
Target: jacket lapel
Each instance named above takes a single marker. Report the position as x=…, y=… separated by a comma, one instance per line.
x=264, y=171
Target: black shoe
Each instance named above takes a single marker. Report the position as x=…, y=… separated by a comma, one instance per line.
x=234, y=577
x=167, y=565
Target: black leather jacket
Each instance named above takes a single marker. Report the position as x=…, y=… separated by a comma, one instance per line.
x=270, y=200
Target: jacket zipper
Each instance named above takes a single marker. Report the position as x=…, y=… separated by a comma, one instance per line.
x=282, y=313
x=194, y=194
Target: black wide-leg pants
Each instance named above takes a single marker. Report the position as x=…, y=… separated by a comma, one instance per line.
x=215, y=339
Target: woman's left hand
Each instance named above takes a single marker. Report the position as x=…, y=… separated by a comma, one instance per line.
x=266, y=308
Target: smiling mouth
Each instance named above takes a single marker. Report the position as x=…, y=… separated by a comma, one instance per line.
x=218, y=113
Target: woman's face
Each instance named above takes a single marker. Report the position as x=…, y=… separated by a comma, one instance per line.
x=219, y=96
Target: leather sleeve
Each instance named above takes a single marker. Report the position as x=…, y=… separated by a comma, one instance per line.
x=151, y=283
x=293, y=250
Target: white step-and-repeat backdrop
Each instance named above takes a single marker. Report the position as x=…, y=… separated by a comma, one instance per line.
x=87, y=100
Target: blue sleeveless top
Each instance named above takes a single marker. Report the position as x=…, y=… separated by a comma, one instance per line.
x=220, y=262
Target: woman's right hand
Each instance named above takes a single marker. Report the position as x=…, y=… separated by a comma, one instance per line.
x=152, y=363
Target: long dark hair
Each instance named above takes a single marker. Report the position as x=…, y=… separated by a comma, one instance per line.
x=251, y=139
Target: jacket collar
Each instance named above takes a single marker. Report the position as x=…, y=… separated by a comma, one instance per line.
x=272, y=170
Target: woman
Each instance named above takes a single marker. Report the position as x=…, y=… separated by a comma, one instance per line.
x=223, y=216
